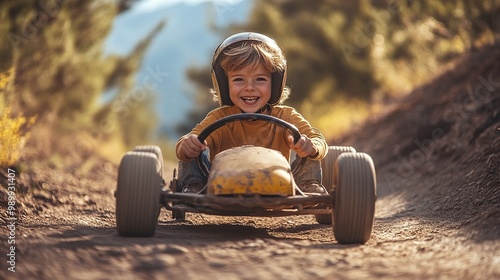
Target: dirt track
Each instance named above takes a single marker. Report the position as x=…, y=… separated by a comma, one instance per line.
x=73, y=237
x=438, y=212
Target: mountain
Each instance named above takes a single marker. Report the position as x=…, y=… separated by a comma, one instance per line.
x=186, y=40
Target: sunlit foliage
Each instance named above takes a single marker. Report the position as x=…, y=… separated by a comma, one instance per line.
x=341, y=53
x=60, y=73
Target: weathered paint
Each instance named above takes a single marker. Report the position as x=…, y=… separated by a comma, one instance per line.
x=250, y=170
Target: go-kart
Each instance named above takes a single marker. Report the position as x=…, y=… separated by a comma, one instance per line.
x=249, y=181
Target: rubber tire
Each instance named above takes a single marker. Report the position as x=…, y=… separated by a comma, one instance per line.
x=328, y=166
x=355, y=196
x=155, y=150
x=138, y=194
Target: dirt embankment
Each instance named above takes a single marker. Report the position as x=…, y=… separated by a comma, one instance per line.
x=439, y=147
x=437, y=153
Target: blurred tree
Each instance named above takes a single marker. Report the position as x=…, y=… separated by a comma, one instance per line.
x=363, y=49
x=413, y=42
x=203, y=100
x=56, y=50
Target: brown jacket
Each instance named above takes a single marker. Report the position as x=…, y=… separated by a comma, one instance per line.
x=257, y=133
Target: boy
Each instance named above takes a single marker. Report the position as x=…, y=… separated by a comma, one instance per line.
x=249, y=75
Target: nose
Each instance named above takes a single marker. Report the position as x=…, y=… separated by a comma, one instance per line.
x=249, y=86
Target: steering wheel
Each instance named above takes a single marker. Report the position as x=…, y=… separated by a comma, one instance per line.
x=248, y=117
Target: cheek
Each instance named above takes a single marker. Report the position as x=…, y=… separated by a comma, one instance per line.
x=233, y=93
x=266, y=89
x=233, y=90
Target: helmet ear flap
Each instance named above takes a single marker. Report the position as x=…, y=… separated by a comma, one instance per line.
x=221, y=85
x=277, y=85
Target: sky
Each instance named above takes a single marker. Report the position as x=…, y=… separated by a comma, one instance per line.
x=149, y=5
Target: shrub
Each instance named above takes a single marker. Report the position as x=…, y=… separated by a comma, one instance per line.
x=13, y=135
x=13, y=129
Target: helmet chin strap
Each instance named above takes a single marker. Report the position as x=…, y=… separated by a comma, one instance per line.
x=264, y=108
x=261, y=110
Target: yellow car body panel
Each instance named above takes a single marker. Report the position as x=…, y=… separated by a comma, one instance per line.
x=250, y=170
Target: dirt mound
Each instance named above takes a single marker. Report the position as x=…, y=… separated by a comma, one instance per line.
x=439, y=147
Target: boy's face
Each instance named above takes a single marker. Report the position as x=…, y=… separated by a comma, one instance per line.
x=250, y=88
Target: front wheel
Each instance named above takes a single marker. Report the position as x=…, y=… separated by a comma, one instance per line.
x=355, y=196
x=154, y=150
x=138, y=194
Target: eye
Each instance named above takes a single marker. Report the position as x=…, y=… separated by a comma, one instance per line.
x=237, y=79
x=262, y=79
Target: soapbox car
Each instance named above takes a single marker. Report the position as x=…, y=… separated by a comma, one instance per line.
x=248, y=181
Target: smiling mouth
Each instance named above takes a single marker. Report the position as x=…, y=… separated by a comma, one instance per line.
x=250, y=100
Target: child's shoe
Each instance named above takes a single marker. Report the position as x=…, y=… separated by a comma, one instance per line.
x=311, y=187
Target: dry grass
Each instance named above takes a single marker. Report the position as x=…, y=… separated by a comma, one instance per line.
x=13, y=135
x=13, y=128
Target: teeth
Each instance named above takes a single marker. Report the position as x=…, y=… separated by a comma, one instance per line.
x=249, y=99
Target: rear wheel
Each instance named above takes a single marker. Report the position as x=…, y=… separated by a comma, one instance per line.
x=355, y=196
x=138, y=194
x=328, y=165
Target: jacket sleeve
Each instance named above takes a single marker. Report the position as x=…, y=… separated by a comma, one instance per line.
x=209, y=119
x=312, y=133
